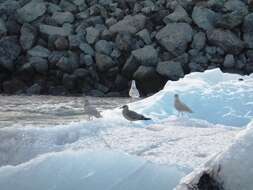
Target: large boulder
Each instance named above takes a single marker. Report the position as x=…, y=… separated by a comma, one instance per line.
x=248, y=30
x=170, y=69
x=28, y=36
x=31, y=11
x=63, y=17
x=130, y=24
x=146, y=56
x=148, y=80
x=204, y=18
x=227, y=40
x=9, y=52
x=104, y=62
x=39, y=51
x=175, y=37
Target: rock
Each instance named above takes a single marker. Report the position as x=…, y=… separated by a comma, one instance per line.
x=9, y=52
x=81, y=73
x=39, y=64
x=63, y=17
x=148, y=80
x=179, y=15
x=28, y=36
x=146, y=56
x=131, y=24
x=103, y=62
x=61, y=43
x=31, y=11
x=104, y=47
x=124, y=41
x=199, y=41
x=171, y=69
x=175, y=37
x=13, y=86
x=248, y=30
x=54, y=57
x=75, y=41
x=86, y=60
x=231, y=20
x=121, y=83
x=130, y=67
x=227, y=40
x=68, y=6
x=39, y=51
x=3, y=28
x=235, y=5
x=92, y=35
x=144, y=35
x=34, y=89
x=229, y=61
x=64, y=65
x=204, y=18
x=87, y=49
x=65, y=30
x=69, y=82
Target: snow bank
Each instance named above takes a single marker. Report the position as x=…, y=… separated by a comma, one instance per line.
x=214, y=96
x=89, y=170
x=232, y=169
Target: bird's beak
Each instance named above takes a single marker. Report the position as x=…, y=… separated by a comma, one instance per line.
x=121, y=107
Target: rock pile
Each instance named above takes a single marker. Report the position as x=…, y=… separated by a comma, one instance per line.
x=96, y=47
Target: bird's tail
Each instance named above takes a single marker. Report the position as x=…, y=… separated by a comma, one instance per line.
x=146, y=118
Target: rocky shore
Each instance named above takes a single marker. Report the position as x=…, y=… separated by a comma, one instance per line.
x=96, y=47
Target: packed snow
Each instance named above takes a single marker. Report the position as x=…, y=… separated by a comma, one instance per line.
x=113, y=153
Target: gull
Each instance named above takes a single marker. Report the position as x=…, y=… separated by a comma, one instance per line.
x=180, y=106
x=90, y=110
x=133, y=92
x=131, y=115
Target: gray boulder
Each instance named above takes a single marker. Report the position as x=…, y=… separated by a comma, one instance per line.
x=171, y=69
x=39, y=64
x=63, y=17
x=231, y=20
x=145, y=36
x=34, y=89
x=39, y=51
x=9, y=52
x=81, y=73
x=69, y=82
x=64, y=65
x=65, y=30
x=229, y=61
x=31, y=11
x=130, y=67
x=175, y=37
x=199, y=41
x=248, y=30
x=179, y=15
x=87, y=49
x=104, y=47
x=146, y=56
x=61, y=43
x=104, y=62
x=204, y=18
x=28, y=36
x=124, y=41
x=86, y=60
x=131, y=24
x=92, y=35
x=3, y=28
x=227, y=40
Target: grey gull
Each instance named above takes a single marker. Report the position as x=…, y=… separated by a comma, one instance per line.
x=131, y=115
x=180, y=106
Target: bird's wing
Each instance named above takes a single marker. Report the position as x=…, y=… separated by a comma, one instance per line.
x=185, y=107
x=135, y=115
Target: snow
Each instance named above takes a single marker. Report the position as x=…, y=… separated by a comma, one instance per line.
x=113, y=153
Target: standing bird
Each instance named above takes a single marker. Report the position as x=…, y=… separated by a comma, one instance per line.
x=131, y=115
x=90, y=110
x=180, y=106
x=133, y=92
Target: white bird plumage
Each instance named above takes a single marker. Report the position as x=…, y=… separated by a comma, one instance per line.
x=133, y=92
x=180, y=106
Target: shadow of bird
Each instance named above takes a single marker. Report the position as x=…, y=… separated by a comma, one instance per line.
x=132, y=115
x=180, y=106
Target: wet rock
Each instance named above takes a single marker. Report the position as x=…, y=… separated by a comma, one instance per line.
x=28, y=36
x=9, y=52
x=227, y=40
x=131, y=24
x=175, y=37
x=31, y=11
x=171, y=69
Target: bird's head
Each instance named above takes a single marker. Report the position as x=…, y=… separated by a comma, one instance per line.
x=176, y=96
x=124, y=107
